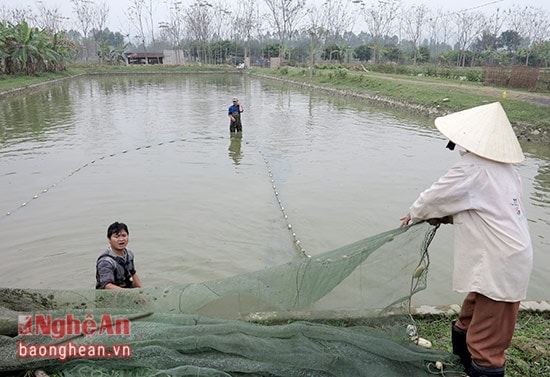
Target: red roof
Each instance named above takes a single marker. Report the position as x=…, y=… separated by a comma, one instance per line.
x=136, y=55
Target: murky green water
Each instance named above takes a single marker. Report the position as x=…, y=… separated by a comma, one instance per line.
x=155, y=152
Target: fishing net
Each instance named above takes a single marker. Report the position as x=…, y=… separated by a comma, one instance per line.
x=262, y=323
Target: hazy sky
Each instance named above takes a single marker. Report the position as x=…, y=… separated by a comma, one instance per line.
x=118, y=19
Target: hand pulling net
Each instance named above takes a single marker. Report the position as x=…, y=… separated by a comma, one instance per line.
x=218, y=328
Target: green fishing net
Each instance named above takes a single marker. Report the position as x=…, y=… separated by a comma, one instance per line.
x=261, y=323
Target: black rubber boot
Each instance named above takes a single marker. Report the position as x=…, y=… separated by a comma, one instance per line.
x=458, y=338
x=477, y=371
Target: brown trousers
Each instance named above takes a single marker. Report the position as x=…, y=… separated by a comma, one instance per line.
x=489, y=327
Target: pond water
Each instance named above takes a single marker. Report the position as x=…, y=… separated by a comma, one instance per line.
x=154, y=151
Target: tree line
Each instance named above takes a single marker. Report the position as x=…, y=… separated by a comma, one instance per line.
x=302, y=32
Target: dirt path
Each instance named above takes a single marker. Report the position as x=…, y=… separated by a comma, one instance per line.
x=539, y=99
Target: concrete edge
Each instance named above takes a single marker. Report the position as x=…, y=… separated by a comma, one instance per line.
x=422, y=310
x=539, y=306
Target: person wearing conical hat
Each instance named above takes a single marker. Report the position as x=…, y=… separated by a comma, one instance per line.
x=481, y=196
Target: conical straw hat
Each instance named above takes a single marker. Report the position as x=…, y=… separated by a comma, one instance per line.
x=484, y=130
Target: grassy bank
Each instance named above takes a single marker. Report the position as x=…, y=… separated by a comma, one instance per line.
x=529, y=354
x=11, y=82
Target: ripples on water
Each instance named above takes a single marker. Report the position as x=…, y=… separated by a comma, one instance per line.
x=156, y=153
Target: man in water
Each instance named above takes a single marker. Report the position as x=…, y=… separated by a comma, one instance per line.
x=115, y=267
x=493, y=256
x=234, y=113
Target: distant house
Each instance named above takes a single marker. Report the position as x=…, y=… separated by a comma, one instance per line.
x=175, y=57
x=145, y=58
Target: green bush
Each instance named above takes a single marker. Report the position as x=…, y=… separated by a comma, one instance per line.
x=446, y=73
x=341, y=73
x=402, y=70
x=431, y=71
x=474, y=76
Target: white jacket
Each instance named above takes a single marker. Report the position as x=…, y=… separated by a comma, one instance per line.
x=493, y=254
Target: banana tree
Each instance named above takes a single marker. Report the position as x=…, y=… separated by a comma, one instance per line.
x=29, y=50
x=18, y=46
x=108, y=54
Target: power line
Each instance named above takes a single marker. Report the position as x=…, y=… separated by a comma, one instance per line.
x=480, y=6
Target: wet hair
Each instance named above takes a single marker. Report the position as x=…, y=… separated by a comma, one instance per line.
x=116, y=227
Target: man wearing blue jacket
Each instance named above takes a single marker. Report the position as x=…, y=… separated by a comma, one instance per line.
x=234, y=113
